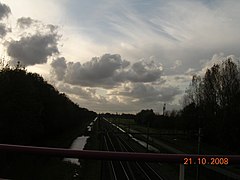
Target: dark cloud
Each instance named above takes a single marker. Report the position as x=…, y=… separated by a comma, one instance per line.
x=3, y=30
x=99, y=71
x=4, y=11
x=168, y=93
x=38, y=42
x=138, y=90
x=147, y=92
x=52, y=28
x=28, y=22
x=83, y=96
x=141, y=71
x=101, y=68
x=33, y=49
x=25, y=22
x=107, y=71
x=59, y=67
x=76, y=90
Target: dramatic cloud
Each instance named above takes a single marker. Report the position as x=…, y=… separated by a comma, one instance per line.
x=34, y=49
x=3, y=30
x=141, y=71
x=181, y=42
x=106, y=71
x=146, y=92
x=59, y=67
x=169, y=93
x=83, y=93
x=164, y=29
x=4, y=11
x=122, y=84
x=97, y=72
x=25, y=22
x=31, y=41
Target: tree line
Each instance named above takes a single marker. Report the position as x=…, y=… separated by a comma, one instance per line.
x=212, y=102
x=32, y=111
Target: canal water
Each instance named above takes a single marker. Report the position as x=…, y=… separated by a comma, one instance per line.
x=79, y=144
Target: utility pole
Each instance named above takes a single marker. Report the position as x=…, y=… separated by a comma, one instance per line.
x=128, y=129
x=181, y=172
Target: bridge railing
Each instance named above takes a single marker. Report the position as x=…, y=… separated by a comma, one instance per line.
x=182, y=159
x=124, y=156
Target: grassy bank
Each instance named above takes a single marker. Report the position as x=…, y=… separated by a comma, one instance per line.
x=92, y=168
x=25, y=166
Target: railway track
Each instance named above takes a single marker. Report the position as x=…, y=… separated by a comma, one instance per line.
x=147, y=169
x=125, y=170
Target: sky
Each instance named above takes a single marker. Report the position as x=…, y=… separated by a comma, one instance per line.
x=120, y=55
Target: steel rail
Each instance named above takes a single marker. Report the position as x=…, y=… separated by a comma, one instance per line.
x=128, y=164
x=124, y=170
x=111, y=163
x=140, y=166
x=128, y=167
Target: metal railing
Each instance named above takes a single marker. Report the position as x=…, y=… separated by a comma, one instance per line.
x=123, y=156
x=181, y=159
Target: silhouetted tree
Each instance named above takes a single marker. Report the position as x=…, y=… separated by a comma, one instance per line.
x=145, y=116
x=32, y=111
x=213, y=103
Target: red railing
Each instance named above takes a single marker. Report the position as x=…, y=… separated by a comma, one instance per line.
x=123, y=156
